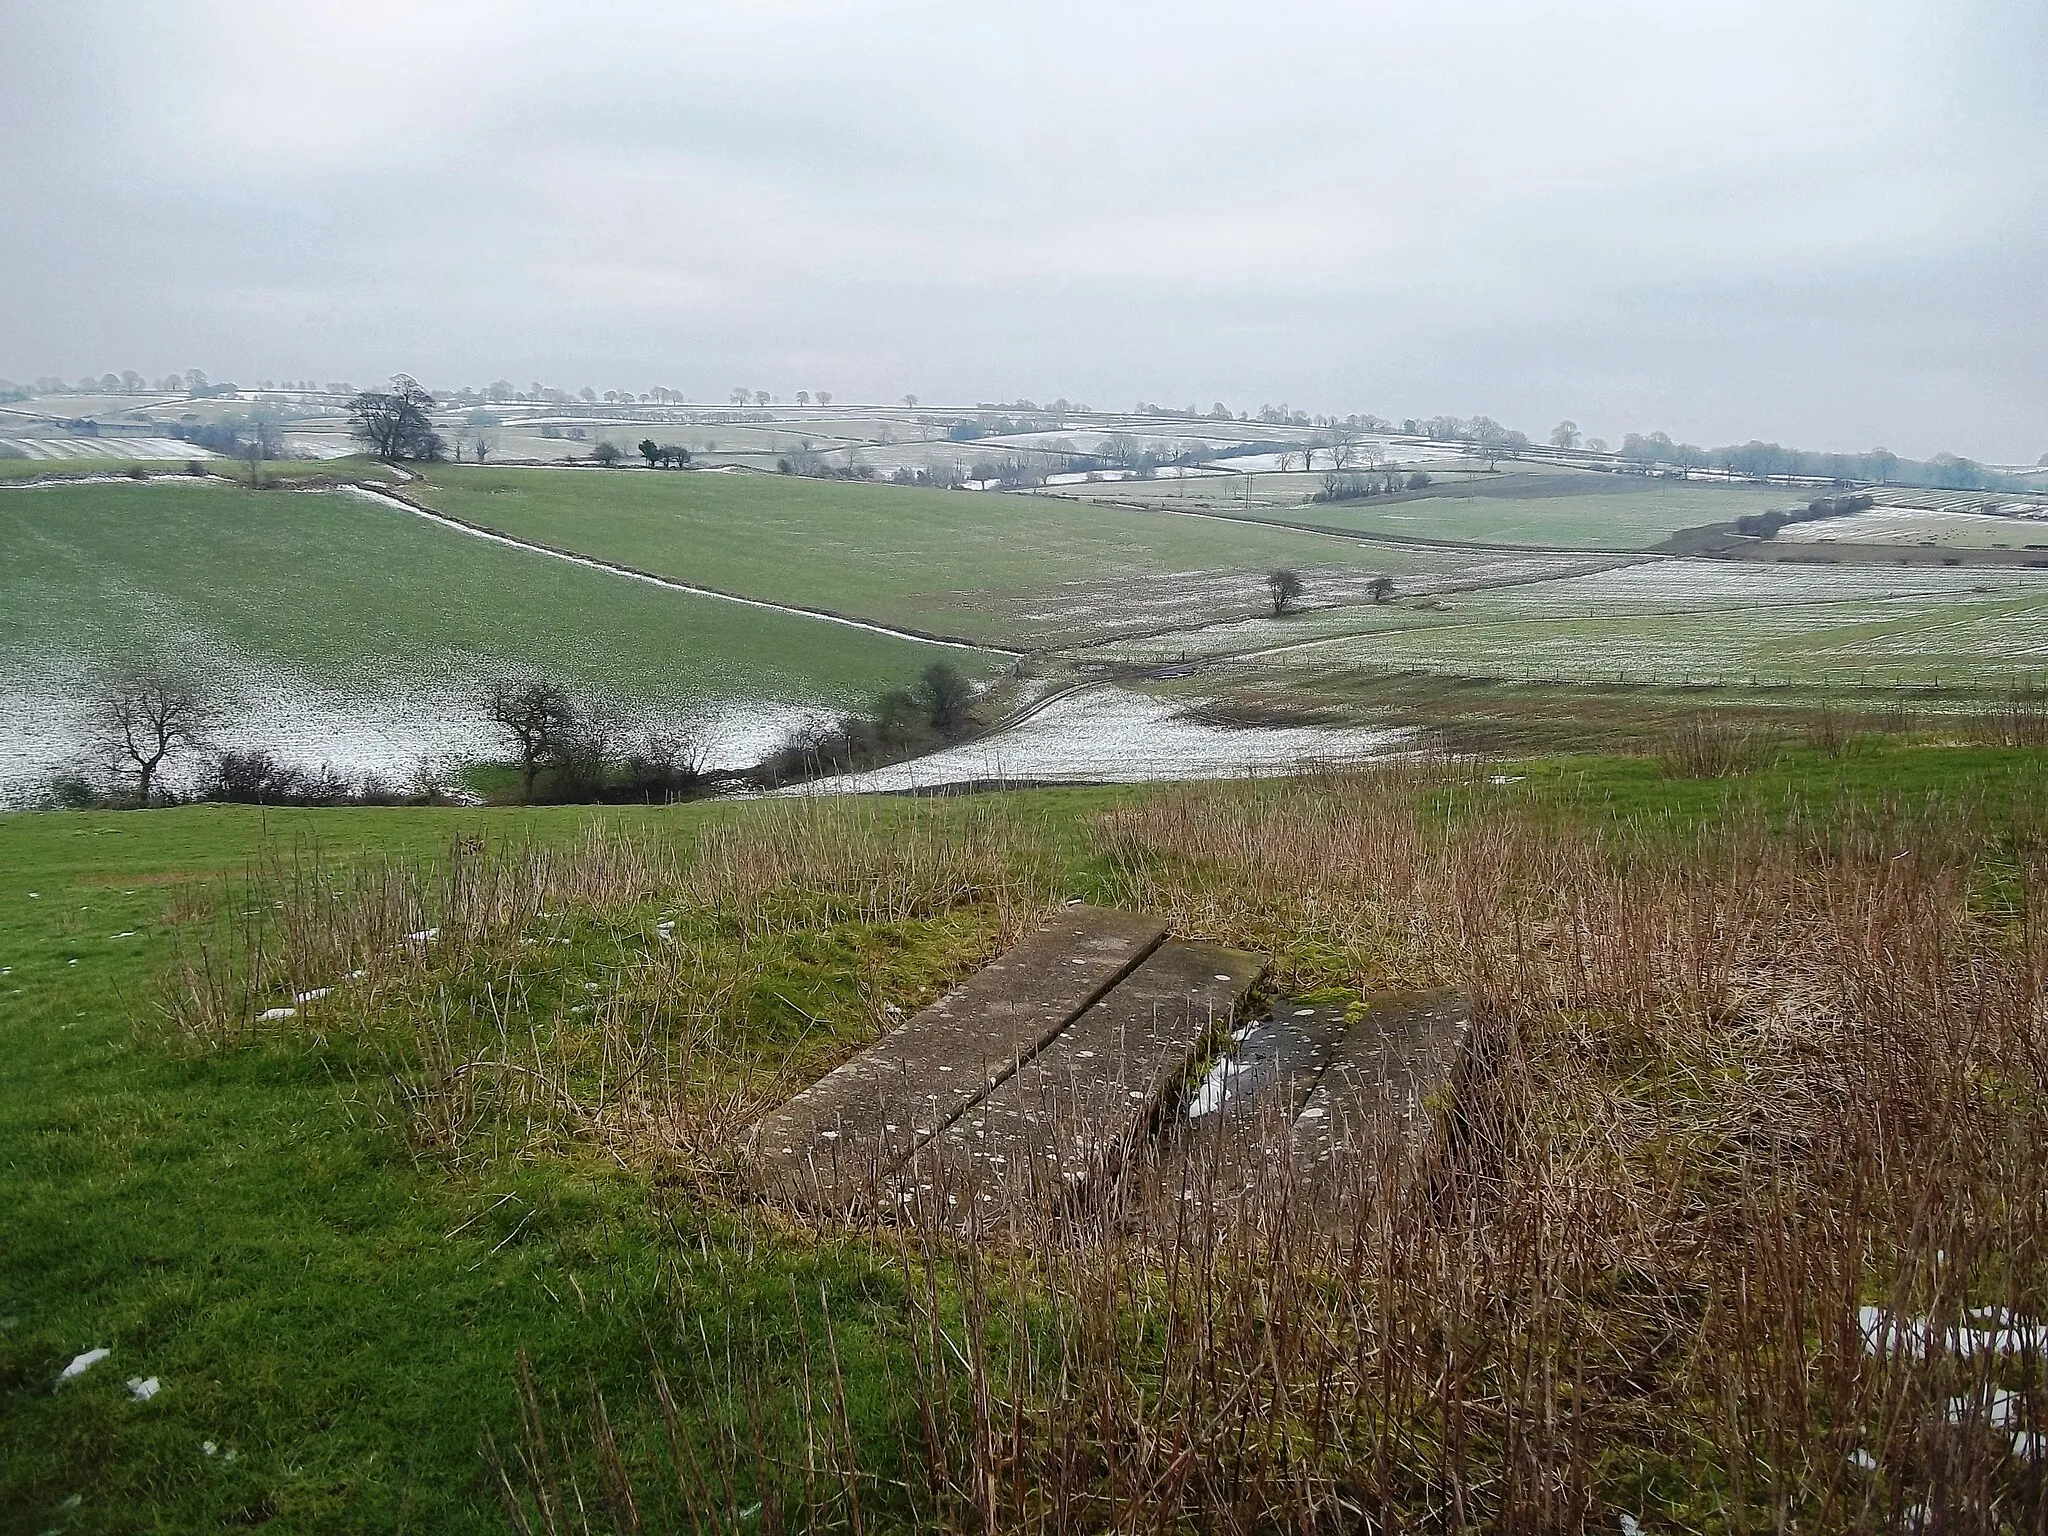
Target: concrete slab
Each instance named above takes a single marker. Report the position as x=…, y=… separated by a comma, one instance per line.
x=831, y=1144
x=1062, y=1126
x=1379, y=1079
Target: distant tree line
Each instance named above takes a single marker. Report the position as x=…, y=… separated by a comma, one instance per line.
x=1352, y=486
x=664, y=455
x=567, y=749
x=1656, y=453
x=256, y=435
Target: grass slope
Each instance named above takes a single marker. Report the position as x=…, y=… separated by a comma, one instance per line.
x=339, y=1322
x=344, y=593
x=996, y=568
x=1566, y=512
x=346, y=1322
x=1980, y=642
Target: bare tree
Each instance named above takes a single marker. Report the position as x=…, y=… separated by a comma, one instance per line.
x=1284, y=587
x=911, y=401
x=664, y=763
x=824, y=397
x=1565, y=435
x=146, y=716
x=538, y=720
x=394, y=424
x=1380, y=589
x=803, y=397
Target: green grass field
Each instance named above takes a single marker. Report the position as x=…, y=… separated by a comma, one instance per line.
x=286, y=471
x=336, y=1325
x=1567, y=512
x=1548, y=510
x=1021, y=571
x=347, y=594
x=1968, y=645
x=1685, y=622
x=340, y=1323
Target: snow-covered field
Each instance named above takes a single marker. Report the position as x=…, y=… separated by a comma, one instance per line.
x=1680, y=585
x=1196, y=604
x=110, y=447
x=1911, y=525
x=390, y=732
x=1114, y=735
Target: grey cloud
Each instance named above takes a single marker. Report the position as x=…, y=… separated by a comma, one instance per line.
x=1817, y=222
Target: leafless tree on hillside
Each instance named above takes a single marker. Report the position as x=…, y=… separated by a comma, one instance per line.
x=144, y=717
x=537, y=719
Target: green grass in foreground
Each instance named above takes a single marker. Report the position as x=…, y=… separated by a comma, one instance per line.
x=337, y=1322
x=997, y=568
x=346, y=1322
x=334, y=591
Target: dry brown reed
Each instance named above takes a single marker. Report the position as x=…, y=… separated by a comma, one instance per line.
x=885, y=861
x=1754, y=1139
x=1736, y=1220
x=435, y=971
x=1713, y=746
x=2018, y=719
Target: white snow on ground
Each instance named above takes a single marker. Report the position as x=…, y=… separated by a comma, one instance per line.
x=1911, y=525
x=1088, y=477
x=110, y=447
x=1113, y=735
x=390, y=732
x=1677, y=585
x=321, y=445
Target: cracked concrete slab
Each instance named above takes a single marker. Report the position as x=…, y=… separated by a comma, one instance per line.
x=1061, y=1128
x=830, y=1145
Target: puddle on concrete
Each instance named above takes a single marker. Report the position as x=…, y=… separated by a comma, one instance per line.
x=1270, y=1063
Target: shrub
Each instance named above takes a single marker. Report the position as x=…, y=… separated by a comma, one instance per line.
x=1713, y=747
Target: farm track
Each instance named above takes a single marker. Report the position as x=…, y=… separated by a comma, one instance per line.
x=478, y=531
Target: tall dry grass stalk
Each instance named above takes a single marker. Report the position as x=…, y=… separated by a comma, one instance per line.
x=438, y=974
x=889, y=860
x=2018, y=719
x=1710, y=746
x=1736, y=1217
x=1718, y=1231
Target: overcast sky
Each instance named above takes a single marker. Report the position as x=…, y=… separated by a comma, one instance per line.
x=1824, y=223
